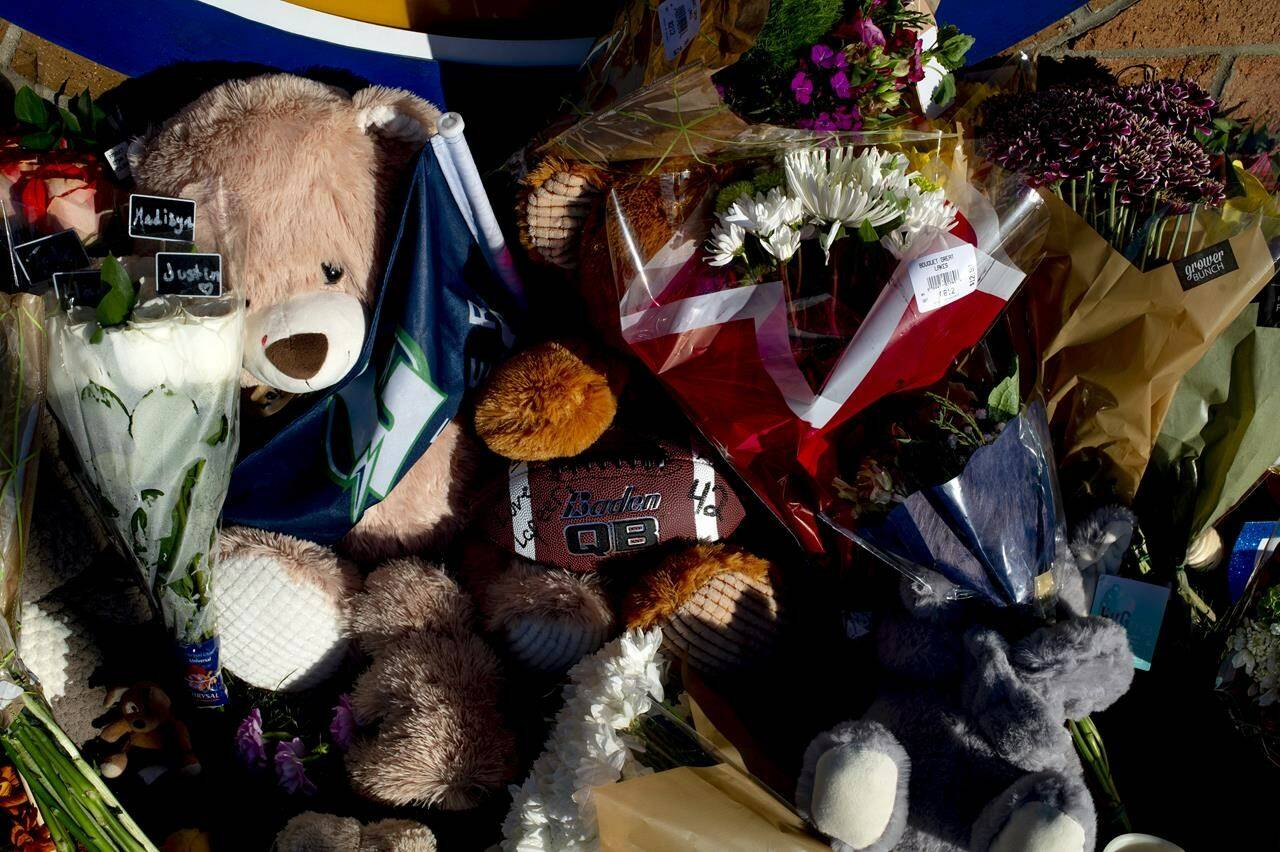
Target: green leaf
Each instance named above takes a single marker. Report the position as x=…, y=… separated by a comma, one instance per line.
x=69, y=121
x=149, y=495
x=219, y=433
x=1004, y=401
x=30, y=108
x=97, y=335
x=867, y=231
x=41, y=141
x=118, y=302
x=946, y=91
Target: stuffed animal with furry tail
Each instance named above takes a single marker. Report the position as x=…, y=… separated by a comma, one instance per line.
x=965, y=749
x=432, y=694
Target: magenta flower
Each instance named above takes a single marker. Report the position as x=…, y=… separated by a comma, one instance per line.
x=916, y=72
x=290, y=772
x=802, y=87
x=343, y=726
x=824, y=56
x=841, y=86
x=866, y=31
x=250, y=747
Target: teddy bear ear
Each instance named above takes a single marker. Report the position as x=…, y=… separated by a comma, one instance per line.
x=395, y=113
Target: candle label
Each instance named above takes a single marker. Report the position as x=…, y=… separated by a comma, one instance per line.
x=204, y=673
x=188, y=274
x=155, y=217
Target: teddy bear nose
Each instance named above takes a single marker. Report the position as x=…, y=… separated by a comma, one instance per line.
x=299, y=356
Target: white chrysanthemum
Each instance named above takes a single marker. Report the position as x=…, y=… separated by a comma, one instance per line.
x=927, y=209
x=837, y=185
x=554, y=809
x=782, y=243
x=726, y=243
x=763, y=214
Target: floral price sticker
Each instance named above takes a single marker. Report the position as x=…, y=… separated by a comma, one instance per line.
x=679, y=21
x=942, y=277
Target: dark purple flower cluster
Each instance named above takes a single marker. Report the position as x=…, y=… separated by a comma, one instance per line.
x=1078, y=135
x=1180, y=105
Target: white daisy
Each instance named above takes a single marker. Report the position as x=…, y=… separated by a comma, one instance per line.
x=727, y=242
x=782, y=243
x=927, y=209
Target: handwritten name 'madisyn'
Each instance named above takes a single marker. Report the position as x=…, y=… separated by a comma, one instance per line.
x=162, y=219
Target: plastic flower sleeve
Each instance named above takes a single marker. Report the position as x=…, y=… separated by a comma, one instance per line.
x=22, y=385
x=996, y=530
x=773, y=359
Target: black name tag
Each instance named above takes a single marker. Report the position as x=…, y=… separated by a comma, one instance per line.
x=188, y=274
x=1205, y=265
x=154, y=217
x=40, y=259
x=84, y=288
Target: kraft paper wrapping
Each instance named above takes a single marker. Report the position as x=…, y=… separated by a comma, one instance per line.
x=703, y=808
x=22, y=382
x=1113, y=342
x=698, y=809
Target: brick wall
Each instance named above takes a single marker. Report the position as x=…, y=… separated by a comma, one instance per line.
x=1231, y=49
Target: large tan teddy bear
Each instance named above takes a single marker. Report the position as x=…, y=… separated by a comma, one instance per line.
x=295, y=182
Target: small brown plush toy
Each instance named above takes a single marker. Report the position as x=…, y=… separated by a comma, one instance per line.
x=141, y=717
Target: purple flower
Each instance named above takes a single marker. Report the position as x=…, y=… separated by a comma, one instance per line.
x=866, y=31
x=250, y=747
x=343, y=726
x=802, y=87
x=824, y=56
x=841, y=86
x=290, y=772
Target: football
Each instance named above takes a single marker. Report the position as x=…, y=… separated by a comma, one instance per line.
x=623, y=495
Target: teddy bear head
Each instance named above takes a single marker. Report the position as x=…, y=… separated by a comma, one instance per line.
x=145, y=707
x=293, y=180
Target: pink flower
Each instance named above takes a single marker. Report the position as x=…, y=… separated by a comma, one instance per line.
x=250, y=747
x=290, y=772
x=841, y=86
x=802, y=87
x=343, y=726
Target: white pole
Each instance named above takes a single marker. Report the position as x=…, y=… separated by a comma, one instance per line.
x=463, y=177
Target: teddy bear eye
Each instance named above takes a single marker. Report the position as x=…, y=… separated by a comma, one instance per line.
x=332, y=272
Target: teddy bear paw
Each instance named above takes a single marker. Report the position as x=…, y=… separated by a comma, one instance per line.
x=1040, y=827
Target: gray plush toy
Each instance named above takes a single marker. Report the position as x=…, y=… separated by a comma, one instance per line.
x=965, y=746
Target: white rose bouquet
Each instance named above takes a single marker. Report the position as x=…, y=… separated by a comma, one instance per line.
x=151, y=407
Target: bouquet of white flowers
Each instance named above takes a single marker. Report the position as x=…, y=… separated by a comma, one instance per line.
x=151, y=406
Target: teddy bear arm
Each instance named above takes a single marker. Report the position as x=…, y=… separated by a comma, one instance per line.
x=425, y=508
x=114, y=731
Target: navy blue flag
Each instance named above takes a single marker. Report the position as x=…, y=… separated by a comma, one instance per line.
x=432, y=336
